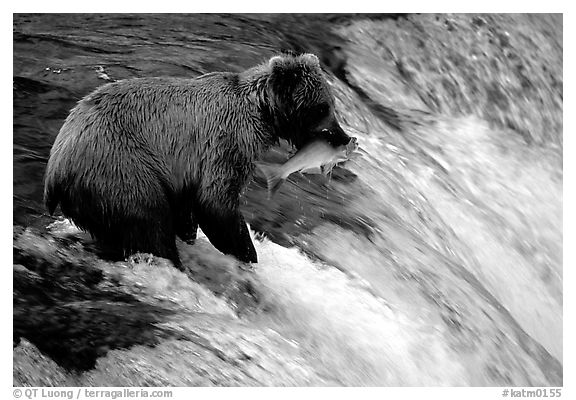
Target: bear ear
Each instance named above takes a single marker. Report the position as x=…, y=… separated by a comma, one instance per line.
x=283, y=63
x=276, y=62
x=310, y=59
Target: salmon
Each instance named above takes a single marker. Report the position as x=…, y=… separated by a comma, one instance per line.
x=316, y=157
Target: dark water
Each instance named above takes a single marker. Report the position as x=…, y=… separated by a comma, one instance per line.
x=435, y=259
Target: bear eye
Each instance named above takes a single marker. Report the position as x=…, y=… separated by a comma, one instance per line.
x=322, y=110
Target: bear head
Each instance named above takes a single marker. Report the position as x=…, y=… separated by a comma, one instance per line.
x=301, y=102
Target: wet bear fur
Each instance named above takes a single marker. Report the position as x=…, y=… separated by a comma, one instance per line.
x=140, y=161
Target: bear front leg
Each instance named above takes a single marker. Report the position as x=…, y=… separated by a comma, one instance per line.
x=187, y=227
x=228, y=232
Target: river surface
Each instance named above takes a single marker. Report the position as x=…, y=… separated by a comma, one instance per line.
x=434, y=259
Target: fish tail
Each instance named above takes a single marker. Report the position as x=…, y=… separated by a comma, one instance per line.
x=273, y=177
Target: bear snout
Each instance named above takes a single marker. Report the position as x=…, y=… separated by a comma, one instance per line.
x=336, y=136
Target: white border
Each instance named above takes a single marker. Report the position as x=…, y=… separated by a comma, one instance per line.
x=303, y=6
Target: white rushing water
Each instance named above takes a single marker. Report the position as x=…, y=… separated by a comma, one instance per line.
x=461, y=284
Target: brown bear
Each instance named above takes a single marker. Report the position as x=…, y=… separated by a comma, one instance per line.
x=140, y=161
